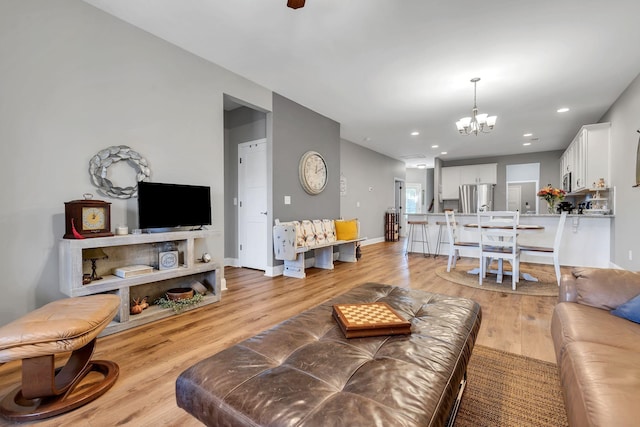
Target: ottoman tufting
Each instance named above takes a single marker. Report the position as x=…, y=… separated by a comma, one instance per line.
x=304, y=372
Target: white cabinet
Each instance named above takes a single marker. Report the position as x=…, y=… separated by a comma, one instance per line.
x=587, y=157
x=135, y=250
x=450, y=182
x=454, y=176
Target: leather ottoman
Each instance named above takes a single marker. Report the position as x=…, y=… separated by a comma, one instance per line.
x=304, y=372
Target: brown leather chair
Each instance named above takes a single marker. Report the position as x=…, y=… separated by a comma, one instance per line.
x=67, y=325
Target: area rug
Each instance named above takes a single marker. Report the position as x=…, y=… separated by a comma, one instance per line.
x=506, y=389
x=546, y=286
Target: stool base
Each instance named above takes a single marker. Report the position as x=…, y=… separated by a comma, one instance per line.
x=17, y=408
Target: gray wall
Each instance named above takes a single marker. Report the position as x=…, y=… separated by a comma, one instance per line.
x=624, y=116
x=296, y=130
x=549, y=170
x=240, y=125
x=370, y=182
x=74, y=81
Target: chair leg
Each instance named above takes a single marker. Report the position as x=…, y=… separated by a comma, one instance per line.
x=482, y=269
x=425, y=241
x=451, y=258
x=556, y=265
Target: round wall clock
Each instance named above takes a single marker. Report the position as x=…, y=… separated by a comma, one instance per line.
x=313, y=172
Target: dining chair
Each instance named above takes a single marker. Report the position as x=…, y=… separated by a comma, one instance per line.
x=549, y=251
x=454, y=243
x=498, y=240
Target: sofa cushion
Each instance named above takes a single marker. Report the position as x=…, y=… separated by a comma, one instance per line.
x=630, y=310
x=575, y=322
x=346, y=229
x=600, y=385
x=593, y=286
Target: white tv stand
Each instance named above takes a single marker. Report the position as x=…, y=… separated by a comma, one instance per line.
x=139, y=249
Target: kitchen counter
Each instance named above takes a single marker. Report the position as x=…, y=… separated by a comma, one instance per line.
x=586, y=239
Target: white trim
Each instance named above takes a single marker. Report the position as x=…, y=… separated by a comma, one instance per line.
x=372, y=241
x=223, y=284
x=274, y=271
x=232, y=262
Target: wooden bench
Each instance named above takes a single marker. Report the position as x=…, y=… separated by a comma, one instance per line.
x=292, y=240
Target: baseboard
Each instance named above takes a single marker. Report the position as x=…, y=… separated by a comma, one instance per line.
x=274, y=271
x=372, y=241
x=223, y=284
x=231, y=262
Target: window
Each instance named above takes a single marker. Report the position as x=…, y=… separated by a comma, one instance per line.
x=414, y=198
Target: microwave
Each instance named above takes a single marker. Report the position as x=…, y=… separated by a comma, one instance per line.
x=566, y=182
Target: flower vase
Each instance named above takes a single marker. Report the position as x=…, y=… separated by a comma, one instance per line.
x=551, y=206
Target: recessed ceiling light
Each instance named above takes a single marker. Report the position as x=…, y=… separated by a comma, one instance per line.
x=422, y=166
x=527, y=135
x=563, y=110
x=526, y=143
x=444, y=152
x=415, y=133
x=435, y=146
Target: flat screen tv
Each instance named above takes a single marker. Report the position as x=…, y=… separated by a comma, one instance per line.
x=162, y=206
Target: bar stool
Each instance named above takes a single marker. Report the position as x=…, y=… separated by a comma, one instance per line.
x=439, y=242
x=422, y=224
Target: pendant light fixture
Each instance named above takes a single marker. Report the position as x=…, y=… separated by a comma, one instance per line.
x=477, y=123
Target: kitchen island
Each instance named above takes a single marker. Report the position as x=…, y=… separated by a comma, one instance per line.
x=586, y=239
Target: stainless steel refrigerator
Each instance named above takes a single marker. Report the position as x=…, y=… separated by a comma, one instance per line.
x=474, y=197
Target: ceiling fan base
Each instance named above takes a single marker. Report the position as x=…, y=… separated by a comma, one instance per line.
x=295, y=4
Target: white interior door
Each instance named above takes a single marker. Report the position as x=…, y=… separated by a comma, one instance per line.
x=514, y=197
x=252, y=204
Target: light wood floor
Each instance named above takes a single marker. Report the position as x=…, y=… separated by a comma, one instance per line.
x=152, y=356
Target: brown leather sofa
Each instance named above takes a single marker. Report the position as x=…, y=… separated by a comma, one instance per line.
x=598, y=354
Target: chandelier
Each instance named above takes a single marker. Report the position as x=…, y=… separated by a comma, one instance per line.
x=477, y=122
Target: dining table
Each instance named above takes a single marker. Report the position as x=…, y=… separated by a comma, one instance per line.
x=500, y=272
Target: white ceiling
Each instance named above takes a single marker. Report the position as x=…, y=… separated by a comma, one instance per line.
x=385, y=68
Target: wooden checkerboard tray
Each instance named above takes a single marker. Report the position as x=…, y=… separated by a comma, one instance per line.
x=369, y=319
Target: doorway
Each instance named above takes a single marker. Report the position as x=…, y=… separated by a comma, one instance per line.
x=253, y=228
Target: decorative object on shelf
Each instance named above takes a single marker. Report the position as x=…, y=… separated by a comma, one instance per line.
x=551, y=195
x=198, y=287
x=122, y=230
x=206, y=257
x=132, y=270
x=93, y=254
x=313, y=172
x=482, y=123
x=99, y=164
x=176, y=294
x=139, y=304
x=167, y=260
x=87, y=218
x=177, y=305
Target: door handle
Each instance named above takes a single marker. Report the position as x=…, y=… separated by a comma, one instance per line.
x=263, y=213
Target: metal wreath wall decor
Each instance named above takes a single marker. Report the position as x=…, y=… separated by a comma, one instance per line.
x=99, y=164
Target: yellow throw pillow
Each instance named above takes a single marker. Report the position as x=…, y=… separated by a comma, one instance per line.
x=346, y=230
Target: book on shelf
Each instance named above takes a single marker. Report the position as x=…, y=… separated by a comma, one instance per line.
x=132, y=270
x=369, y=319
